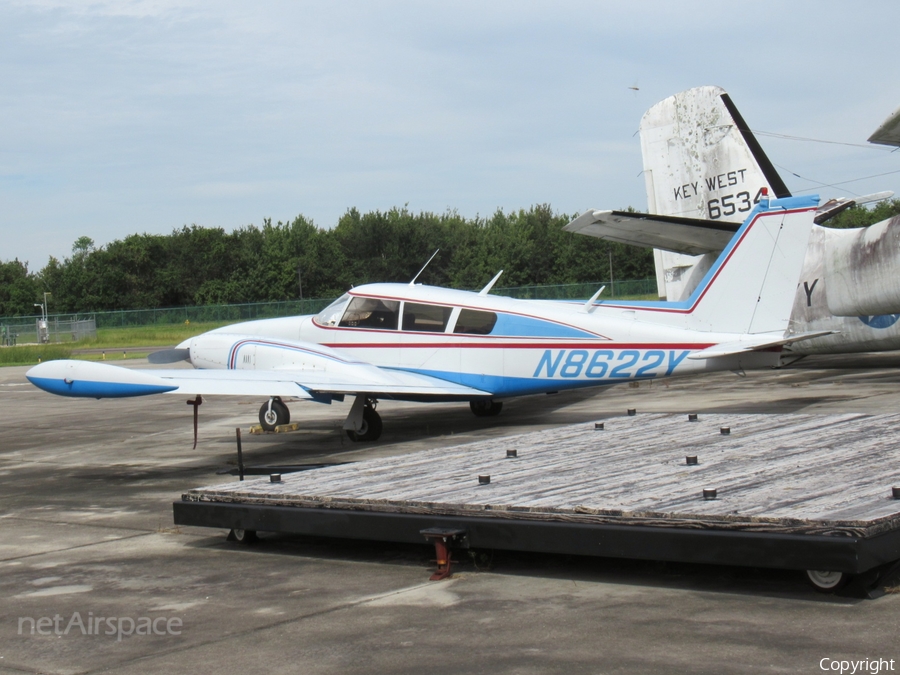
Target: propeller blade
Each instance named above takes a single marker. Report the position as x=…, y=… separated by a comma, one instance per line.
x=170, y=356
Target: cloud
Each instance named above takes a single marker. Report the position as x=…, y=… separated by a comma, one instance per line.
x=145, y=115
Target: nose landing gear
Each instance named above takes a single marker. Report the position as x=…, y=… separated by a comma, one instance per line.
x=274, y=413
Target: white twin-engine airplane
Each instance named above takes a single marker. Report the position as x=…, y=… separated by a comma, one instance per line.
x=421, y=343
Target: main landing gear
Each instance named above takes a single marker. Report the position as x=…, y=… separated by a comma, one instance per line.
x=486, y=407
x=363, y=423
x=273, y=414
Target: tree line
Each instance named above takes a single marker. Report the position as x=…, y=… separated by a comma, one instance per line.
x=201, y=265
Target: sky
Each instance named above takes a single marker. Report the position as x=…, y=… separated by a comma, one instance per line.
x=122, y=117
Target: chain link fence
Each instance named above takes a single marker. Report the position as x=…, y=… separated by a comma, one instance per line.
x=75, y=327
x=614, y=289
x=55, y=329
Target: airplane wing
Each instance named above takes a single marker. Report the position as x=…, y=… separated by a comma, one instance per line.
x=692, y=236
x=889, y=131
x=99, y=380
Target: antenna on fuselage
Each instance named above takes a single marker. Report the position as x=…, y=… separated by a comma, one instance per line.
x=487, y=289
x=589, y=305
x=413, y=282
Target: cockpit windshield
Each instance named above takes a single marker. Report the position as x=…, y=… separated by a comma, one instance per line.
x=333, y=313
x=371, y=313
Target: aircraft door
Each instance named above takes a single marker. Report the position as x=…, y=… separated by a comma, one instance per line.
x=481, y=365
x=424, y=340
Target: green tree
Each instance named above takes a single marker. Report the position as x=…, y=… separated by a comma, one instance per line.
x=861, y=216
x=198, y=265
x=19, y=289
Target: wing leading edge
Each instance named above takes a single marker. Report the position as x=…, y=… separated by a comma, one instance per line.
x=97, y=380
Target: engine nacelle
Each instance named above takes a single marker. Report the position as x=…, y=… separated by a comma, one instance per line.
x=212, y=350
x=251, y=352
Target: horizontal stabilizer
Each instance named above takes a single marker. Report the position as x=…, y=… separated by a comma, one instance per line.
x=753, y=345
x=690, y=236
x=832, y=207
x=693, y=236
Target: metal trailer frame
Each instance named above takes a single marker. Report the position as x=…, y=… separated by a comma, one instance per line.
x=871, y=560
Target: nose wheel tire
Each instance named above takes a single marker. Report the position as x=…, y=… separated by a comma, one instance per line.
x=370, y=429
x=277, y=415
x=827, y=582
x=486, y=407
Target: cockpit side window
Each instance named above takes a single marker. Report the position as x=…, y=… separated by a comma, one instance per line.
x=425, y=318
x=371, y=313
x=475, y=322
x=333, y=313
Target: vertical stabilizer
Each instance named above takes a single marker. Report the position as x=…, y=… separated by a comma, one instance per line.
x=750, y=288
x=701, y=161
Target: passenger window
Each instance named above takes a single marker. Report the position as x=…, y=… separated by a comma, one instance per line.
x=474, y=322
x=371, y=313
x=425, y=318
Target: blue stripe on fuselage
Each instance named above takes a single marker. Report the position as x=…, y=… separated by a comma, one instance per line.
x=514, y=325
x=501, y=386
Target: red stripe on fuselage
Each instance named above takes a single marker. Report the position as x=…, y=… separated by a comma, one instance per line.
x=526, y=345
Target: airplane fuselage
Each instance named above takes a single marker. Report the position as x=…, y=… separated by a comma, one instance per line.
x=504, y=346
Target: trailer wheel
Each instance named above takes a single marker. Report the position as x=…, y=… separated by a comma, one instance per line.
x=371, y=426
x=279, y=414
x=245, y=537
x=825, y=581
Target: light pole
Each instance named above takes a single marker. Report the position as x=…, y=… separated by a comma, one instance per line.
x=612, y=287
x=42, y=326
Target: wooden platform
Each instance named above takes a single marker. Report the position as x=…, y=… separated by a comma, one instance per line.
x=792, y=474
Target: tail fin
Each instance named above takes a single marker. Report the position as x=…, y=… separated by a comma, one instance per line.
x=700, y=161
x=750, y=287
x=699, y=155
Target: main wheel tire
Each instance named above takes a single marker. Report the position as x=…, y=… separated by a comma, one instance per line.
x=371, y=427
x=245, y=537
x=486, y=407
x=825, y=581
x=278, y=415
